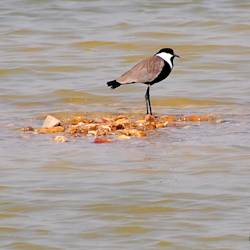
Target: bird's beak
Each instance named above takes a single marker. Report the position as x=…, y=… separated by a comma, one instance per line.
x=177, y=55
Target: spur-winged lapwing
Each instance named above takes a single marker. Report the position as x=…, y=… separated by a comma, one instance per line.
x=149, y=71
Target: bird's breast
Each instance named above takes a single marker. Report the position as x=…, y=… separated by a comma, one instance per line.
x=163, y=74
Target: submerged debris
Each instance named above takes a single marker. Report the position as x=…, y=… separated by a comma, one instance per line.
x=60, y=139
x=102, y=140
x=56, y=129
x=113, y=127
x=27, y=129
x=51, y=122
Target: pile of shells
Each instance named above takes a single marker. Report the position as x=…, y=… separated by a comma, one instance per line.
x=112, y=127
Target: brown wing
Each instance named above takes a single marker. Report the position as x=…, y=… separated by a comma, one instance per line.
x=144, y=71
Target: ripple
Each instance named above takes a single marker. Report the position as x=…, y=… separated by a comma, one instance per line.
x=60, y=166
x=159, y=35
x=14, y=71
x=187, y=102
x=32, y=49
x=29, y=104
x=6, y=215
x=98, y=44
x=90, y=235
x=30, y=246
x=80, y=97
x=64, y=69
x=226, y=237
x=165, y=243
x=8, y=230
x=131, y=229
x=131, y=209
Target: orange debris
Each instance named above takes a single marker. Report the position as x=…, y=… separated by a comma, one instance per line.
x=119, y=127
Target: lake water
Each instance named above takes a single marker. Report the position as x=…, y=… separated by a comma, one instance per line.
x=177, y=189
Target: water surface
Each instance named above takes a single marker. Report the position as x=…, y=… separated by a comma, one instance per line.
x=177, y=189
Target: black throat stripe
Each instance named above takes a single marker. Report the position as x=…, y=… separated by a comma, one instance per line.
x=164, y=73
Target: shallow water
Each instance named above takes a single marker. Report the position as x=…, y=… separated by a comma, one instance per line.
x=177, y=189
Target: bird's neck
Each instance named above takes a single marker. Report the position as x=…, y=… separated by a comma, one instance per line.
x=167, y=58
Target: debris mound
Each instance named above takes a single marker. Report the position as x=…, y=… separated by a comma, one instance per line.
x=110, y=127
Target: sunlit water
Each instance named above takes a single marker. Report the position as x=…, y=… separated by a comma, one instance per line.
x=179, y=188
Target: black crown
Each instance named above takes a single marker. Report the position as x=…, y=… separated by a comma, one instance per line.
x=166, y=50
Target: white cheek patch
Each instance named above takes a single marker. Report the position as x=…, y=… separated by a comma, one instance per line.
x=166, y=57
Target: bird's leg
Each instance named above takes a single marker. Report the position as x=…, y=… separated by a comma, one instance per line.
x=150, y=109
x=146, y=99
x=148, y=103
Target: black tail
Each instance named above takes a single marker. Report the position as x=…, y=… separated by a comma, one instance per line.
x=113, y=84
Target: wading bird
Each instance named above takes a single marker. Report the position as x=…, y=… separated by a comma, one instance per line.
x=149, y=71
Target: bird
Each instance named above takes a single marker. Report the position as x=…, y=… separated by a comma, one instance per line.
x=148, y=71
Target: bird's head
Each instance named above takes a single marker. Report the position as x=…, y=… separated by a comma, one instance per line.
x=168, y=51
x=167, y=55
